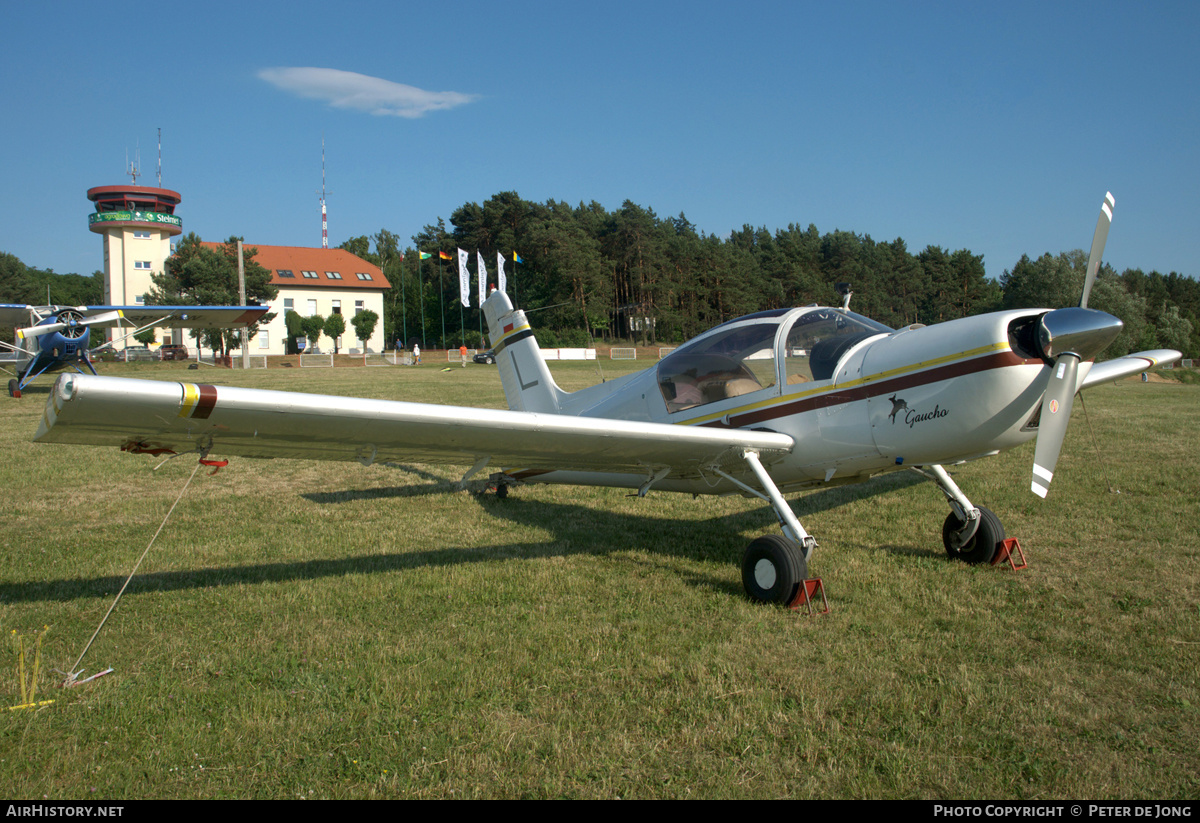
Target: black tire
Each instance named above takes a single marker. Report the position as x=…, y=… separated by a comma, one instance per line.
x=502, y=491
x=13, y=390
x=491, y=361
x=773, y=569
x=983, y=546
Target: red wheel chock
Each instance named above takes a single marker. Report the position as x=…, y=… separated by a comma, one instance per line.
x=806, y=592
x=1005, y=553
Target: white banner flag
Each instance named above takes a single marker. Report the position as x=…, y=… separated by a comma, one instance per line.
x=482, y=278
x=464, y=279
x=501, y=283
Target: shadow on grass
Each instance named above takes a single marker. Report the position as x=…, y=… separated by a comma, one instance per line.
x=578, y=529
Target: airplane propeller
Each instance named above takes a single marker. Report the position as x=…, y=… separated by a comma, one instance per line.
x=72, y=323
x=1068, y=336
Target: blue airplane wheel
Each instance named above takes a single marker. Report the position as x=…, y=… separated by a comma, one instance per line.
x=773, y=568
x=983, y=546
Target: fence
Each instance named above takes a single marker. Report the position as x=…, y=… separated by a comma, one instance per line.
x=254, y=361
x=316, y=361
x=569, y=354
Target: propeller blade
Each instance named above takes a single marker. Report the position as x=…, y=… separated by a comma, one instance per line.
x=107, y=318
x=1098, y=241
x=1052, y=427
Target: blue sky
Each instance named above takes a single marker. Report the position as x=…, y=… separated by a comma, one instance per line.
x=987, y=126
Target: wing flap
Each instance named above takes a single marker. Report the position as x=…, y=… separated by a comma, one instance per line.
x=226, y=420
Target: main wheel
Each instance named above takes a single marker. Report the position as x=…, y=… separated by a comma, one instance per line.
x=13, y=391
x=773, y=568
x=983, y=546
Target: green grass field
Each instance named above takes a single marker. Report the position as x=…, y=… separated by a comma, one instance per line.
x=306, y=630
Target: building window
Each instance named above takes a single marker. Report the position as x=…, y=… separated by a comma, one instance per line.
x=362, y=275
x=140, y=300
x=337, y=306
x=141, y=234
x=144, y=265
x=310, y=275
x=263, y=339
x=289, y=304
x=334, y=275
x=285, y=272
x=312, y=308
x=358, y=307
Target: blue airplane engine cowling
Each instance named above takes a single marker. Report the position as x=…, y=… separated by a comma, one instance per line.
x=65, y=344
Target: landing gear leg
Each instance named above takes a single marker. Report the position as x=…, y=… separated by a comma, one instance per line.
x=774, y=566
x=971, y=534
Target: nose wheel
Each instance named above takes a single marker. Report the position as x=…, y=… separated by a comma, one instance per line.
x=980, y=547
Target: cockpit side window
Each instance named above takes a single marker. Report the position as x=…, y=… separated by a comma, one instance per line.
x=727, y=364
x=819, y=338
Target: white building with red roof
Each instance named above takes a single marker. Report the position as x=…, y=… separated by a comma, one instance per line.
x=319, y=281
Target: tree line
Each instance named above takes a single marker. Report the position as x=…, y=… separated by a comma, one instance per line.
x=629, y=276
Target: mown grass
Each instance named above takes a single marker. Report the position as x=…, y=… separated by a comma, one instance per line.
x=326, y=630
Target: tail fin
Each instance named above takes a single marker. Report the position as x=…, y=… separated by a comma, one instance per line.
x=528, y=385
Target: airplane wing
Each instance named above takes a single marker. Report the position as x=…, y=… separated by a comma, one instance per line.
x=19, y=315
x=12, y=314
x=145, y=415
x=205, y=317
x=1120, y=367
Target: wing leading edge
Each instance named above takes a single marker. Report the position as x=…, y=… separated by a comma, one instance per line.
x=225, y=420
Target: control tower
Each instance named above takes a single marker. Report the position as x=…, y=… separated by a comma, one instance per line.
x=137, y=223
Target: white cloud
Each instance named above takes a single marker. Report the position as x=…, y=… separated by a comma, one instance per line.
x=350, y=90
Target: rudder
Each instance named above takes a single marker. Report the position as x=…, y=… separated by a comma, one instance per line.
x=528, y=384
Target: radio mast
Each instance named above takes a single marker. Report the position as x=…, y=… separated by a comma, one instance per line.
x=322, y=192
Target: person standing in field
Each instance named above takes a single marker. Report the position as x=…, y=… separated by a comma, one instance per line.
x=462, y=353
x=416, y=355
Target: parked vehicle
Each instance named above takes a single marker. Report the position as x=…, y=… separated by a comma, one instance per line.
x=173, y=352
x=487, y=357
x=139, y=353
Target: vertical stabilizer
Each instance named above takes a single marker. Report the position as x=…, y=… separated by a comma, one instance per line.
x=528, y=385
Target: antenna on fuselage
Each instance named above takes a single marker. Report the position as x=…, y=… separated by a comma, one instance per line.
x=844, y=290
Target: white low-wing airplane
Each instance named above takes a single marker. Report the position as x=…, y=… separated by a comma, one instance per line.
x=770, y=403
x=53, y=338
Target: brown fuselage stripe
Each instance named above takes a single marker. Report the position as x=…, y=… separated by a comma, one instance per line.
x=208, y=399
x=863, y=392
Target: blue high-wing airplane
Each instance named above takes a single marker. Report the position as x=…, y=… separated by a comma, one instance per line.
x=53, y=338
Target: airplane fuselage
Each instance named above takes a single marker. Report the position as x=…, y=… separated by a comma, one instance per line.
x=857, y=398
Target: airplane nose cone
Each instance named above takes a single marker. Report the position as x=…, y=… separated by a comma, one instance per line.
x=1082, y=332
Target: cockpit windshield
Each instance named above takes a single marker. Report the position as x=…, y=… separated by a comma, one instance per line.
x=818, y=339
x=727, y=364
x=740, y=359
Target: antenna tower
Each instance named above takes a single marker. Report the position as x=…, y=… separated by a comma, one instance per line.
x=132, y=168
x=160, y=157
x=322, y=192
